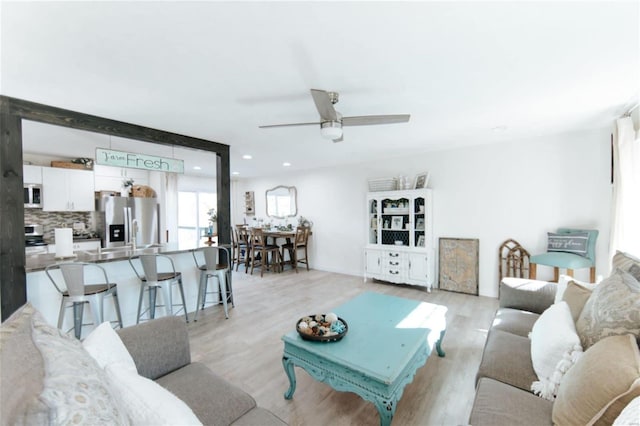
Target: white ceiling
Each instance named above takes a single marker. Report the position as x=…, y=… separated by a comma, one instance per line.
x=218, y=70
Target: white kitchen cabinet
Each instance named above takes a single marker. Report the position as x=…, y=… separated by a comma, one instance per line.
x=400, y=237
x=67, y=190
x=79, y=246
x=107, y=178
x=32, y=174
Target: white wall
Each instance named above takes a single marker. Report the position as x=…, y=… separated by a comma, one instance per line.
x=518, y=190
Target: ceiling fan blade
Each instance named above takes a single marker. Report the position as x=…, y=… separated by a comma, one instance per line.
x=367, y=120
x=324, y=105
x=315, y=123
x=340, y=139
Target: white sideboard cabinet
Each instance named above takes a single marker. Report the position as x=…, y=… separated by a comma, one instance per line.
x=400, y=237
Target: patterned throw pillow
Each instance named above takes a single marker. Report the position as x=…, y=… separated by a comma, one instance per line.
x=575, y=242
x=612, y=309
x=75, y=388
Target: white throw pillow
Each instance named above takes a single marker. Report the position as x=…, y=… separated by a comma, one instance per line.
x=564, y=280
x=104, y=345
x=555, y=347
x=630, y=416
x=146, y=402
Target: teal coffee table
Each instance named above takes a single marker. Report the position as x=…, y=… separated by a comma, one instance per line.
x=389, y=338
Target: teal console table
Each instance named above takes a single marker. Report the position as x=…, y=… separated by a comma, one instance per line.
x=389, y=338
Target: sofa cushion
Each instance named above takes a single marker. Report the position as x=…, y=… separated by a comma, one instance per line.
x=630, y=416
x=563, y=282
x=514, y=321
x=555, y=346
x=259, y=416
x=612, y=309
x=527, y=295
x=600, y=384
x=105, y=346
x=18, y=350
x=145, y=401
x=624, y=261
x=74, y=388
x=158, y=347
x=507, y=358
x=499, y=404
x=214, y=400
x=576, y=297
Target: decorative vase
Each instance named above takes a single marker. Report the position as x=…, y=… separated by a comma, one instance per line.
x=124, y=192
x=213, y=228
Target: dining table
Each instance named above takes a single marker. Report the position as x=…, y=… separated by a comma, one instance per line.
x=275, y=234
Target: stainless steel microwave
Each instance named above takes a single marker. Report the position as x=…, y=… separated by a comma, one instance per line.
x=32, y=196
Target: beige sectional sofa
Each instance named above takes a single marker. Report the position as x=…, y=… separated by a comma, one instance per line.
x=50, y=378
x=600, y=383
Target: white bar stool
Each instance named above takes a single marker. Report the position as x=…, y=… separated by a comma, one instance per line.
x=151, y=280
x=216, y=264
x=76, y=293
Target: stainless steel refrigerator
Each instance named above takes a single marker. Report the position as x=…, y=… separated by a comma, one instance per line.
x=122, y=220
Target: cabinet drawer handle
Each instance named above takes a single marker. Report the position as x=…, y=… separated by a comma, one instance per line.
x=394, y=254
x=394, y=263
x=394, y=272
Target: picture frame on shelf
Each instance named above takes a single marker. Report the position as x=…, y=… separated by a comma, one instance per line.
x=396, y=222
x=420, y=224
x=421, y=181
x=420, y=242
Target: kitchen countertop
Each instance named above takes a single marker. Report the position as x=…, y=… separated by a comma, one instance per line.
x=39, y=262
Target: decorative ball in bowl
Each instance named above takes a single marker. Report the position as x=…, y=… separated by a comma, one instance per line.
x=322, y=327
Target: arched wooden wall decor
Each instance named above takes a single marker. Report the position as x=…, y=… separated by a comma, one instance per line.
x=513, y=260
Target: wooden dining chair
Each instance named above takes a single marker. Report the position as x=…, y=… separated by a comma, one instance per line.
x=243, y=239
x=260, y=250
x=299, y=243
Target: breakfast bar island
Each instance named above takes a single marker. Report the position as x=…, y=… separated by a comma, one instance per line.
x=43, y=295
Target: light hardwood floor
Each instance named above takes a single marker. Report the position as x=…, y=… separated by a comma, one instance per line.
x=246, y=349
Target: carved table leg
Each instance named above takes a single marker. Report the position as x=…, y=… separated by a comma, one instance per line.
x=386, y=410
x=439, y=345
x=291, y=374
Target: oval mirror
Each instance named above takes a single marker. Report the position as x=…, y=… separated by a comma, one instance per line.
x=281, y=202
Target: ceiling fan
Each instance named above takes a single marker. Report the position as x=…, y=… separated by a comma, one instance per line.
x=331, y=121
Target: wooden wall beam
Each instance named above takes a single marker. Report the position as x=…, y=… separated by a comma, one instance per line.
x=13, y=291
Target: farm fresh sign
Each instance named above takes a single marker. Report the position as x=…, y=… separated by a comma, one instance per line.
x=109, y=157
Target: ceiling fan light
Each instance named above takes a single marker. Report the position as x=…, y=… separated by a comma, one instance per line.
x=331, y=130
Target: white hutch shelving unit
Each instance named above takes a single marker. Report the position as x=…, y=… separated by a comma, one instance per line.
x=400, y=237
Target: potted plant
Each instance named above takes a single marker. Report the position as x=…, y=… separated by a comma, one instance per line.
x=213, y=221
x=127, y=184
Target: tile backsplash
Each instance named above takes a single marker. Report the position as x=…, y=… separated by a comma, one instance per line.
x=52, y=220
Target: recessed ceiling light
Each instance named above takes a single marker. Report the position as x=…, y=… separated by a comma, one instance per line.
x=235, y=173
x=197, y=168
x=247, y=157
x=286, y=164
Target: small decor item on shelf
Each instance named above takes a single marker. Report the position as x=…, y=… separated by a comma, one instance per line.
x=322, y=327
x=422, y=180
x=86, y=162
x=127, y=184
x=383, y=184
x=304, y=222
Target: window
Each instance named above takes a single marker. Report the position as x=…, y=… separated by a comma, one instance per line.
x=193, y=218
